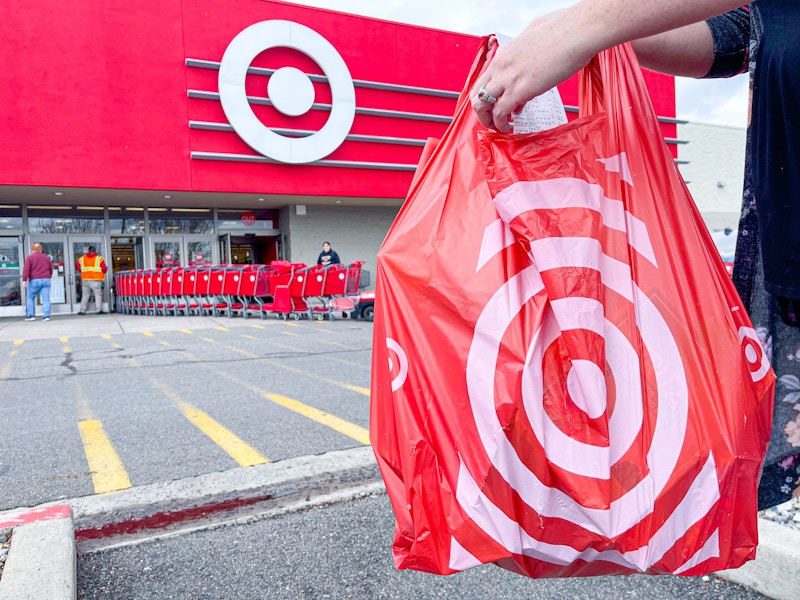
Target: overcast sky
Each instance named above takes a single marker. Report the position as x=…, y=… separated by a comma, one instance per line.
x=723, y=102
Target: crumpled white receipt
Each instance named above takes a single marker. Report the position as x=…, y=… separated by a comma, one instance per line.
x=541, y=113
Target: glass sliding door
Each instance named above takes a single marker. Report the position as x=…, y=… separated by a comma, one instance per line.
x=12, y=300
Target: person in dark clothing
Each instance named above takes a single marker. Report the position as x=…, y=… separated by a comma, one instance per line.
x=328, y=256
x=36, y=274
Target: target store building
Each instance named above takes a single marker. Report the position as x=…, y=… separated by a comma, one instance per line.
x=176, y=132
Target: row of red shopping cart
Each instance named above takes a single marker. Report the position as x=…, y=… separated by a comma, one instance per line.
x=282, y=288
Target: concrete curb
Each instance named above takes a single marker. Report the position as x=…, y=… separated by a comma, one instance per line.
x=42, y=560
x=41, y=563
x=246, y=494
x=776, y=570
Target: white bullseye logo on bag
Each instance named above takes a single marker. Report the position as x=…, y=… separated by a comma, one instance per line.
x=756, y=357
x=597, y=431
x=398, y=366
x=290, y=91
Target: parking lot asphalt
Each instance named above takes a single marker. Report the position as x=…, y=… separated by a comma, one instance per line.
x=98, y=572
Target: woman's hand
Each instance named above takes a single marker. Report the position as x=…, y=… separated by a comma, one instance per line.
x=555, y=47
x=539, y=58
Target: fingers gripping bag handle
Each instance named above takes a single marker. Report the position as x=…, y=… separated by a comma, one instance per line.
x=637, y=409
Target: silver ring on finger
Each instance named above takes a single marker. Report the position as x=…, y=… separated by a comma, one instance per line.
x=485, y=96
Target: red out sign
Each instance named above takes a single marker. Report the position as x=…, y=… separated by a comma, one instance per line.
x=248, y=218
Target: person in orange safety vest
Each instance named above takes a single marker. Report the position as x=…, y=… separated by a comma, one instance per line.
x=93, y=273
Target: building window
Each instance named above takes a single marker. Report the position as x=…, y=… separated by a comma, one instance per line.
x=10, y=217
x=126, y=221
x=61, y=219
x=178, y=221
x=247, y=220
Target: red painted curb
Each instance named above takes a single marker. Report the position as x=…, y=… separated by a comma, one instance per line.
x=62, y=511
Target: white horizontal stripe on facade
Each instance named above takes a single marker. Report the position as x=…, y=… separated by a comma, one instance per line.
x=373, y=85
x=343, y=164
x=371, y=112
x=375, y=139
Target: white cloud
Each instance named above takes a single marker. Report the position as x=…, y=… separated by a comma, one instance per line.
x=721, y=102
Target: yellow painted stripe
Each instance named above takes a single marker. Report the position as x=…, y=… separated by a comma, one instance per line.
x=5, y=371
x=63, y=340
x=147, y=333
x=351, y=430
x=106, y=336
x=353, y=388
x=117, y=346
x=163, y=343
x=222, y=329
x=66, y=349
x=349, y=363
x=108, y=474
x=238, y=449
x=19, y=342
x=209, y=340
x=13, y=352
x=347, y=428
x=257, y=326
x=186, y=331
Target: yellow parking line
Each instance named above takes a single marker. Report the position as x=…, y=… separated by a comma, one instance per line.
x=238, y=449
x=249, y=337
x=186, y=331
x=13, y=352
x=353, y=388
x=63, y=340
x=163, y=342
x=351, y=430
x=106, y=336
x=108, y=473
x=19, y=342
x=5, y=371
x=222, y=329
x=257, y=326
x=147, y=333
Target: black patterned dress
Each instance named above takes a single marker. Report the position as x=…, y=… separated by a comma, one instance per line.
x=765, y=39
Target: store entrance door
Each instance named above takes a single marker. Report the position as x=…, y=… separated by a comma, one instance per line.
x=64, y=250
x=12, y=300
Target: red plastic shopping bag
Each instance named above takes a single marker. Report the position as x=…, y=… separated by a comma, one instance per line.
x=564, y=379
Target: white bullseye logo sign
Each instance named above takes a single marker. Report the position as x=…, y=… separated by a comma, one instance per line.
x=598, y=382
x=289, y=89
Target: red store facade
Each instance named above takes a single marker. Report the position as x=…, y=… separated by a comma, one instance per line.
x=225, y=131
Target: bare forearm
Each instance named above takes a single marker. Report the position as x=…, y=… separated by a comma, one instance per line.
x=601, y=24
x=687, y=51
x=550, y=50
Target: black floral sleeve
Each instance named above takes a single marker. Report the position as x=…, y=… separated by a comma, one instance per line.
x=731, y=34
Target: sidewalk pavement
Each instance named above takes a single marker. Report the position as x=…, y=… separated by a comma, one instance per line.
x=42, y=560
x=17, y=328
